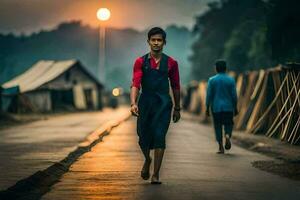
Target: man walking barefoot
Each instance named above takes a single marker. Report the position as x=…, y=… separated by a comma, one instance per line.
x=221, y=96
x=152, y=73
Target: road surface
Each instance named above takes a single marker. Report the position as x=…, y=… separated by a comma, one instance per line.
x=191, y=170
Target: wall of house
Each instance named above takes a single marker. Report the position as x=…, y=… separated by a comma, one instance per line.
x=85, y=89
x=39, y=100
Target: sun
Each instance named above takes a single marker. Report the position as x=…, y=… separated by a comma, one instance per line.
x=103, y=14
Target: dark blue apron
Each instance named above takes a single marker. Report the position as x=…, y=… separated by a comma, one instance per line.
x=155, y=105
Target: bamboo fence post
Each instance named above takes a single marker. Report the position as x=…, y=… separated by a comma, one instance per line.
x=294, y=131
x=290, y=117
x=298, y=130
x=270, y=132
x=269, y=108
x=258, y=103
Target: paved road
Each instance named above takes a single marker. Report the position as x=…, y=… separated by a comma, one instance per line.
x=27, y=148
x=191, y=170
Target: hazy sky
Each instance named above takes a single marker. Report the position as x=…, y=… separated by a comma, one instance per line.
x=33, y=15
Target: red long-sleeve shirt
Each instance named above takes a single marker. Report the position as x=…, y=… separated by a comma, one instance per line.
x=173, y=72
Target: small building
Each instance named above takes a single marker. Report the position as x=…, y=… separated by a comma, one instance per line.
x=52, y=85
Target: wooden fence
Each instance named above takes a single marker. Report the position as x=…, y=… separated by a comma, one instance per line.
x=268, y=102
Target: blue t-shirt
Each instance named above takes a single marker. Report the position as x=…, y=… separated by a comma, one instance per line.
x=221, y=93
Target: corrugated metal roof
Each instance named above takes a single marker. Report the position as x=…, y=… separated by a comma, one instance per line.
x=39, y=74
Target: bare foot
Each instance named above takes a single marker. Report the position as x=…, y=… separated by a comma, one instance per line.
x=155, y=180
x=227, y=142
x=145, y=174
x=221, y=150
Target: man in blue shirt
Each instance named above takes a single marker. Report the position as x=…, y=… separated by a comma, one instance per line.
x=221, y=98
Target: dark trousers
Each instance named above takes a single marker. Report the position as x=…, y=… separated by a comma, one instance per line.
x=223, y=119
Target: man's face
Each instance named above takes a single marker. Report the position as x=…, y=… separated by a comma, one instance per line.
x=156, y=42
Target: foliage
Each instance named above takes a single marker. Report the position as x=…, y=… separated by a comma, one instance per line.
x=248, y=34
x=73, y=40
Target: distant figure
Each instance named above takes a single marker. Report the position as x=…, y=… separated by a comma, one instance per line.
x=152, y=72
x=221, y=97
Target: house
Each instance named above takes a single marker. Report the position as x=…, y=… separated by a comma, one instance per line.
x=52, y=85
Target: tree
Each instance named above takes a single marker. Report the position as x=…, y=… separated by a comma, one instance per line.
x=215, y=28
x=249, y=34
x=283, y=30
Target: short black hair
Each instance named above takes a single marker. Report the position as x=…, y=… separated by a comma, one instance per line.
x=220, y=66
x=157, y=30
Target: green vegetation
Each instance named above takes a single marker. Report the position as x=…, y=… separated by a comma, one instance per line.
x=249, y=34
x=74, y=40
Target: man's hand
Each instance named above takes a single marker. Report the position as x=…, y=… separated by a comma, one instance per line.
x=176, y=116
x=134, y=110
x=207, y=112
